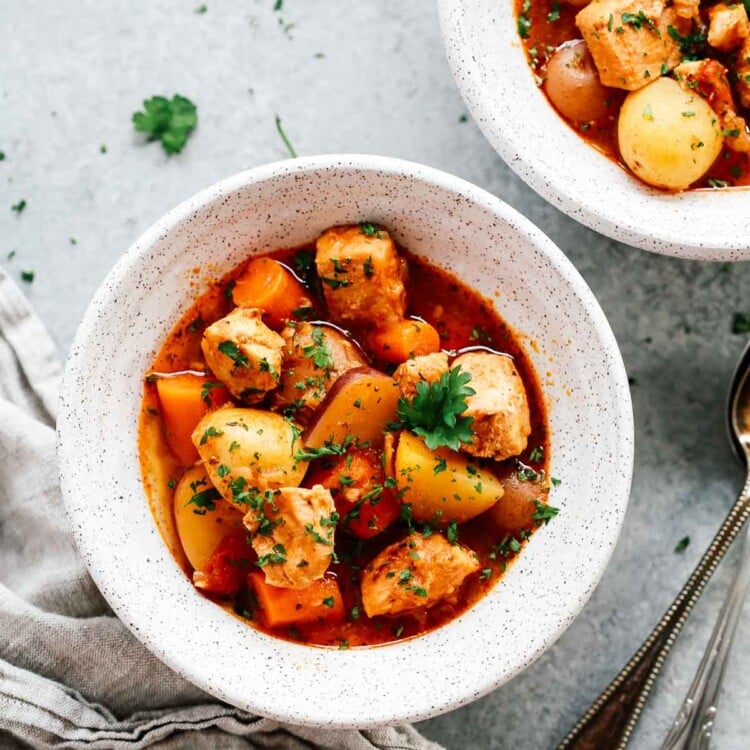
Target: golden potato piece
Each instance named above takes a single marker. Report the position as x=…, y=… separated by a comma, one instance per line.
x=442, y=485
x=246, y=451
x=669, y=137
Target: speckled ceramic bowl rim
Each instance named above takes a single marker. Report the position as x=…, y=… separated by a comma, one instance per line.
x=555, y=162
x=153, y=635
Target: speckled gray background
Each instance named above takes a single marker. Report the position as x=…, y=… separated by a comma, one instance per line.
x=72, y=73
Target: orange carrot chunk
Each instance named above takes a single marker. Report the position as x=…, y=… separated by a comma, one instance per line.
x=407, y=338
x=267, y=285
x=224, y=572
x=185, y=399
x=320, y=601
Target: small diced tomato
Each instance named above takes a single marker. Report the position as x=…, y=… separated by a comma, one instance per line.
x=185, y=399
x=320, y=601
x=267, y=285
x=357, y=482
x=226, y=568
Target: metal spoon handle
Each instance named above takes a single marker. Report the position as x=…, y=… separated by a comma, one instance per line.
x=693, y=727
x=609, y=722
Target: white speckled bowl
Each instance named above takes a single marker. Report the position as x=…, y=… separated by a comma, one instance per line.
x=457, y=226
x=490, y=68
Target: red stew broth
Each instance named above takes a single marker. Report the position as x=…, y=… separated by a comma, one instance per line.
x=464, y=319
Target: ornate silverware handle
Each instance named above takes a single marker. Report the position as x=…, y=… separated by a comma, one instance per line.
x=610, y=720
x=693, y=727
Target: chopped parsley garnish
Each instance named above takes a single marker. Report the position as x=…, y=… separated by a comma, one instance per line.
x=690, y=44
x=231, y=350
x=544, y=512
x=19, y=207
x=222, y=470
x=233, y=446
x=355, y=612
x=201, y=9
x=434, y=412
x=203, y=499
x=335, y=283
x=741, y=322
x=310, y=531
x=370, y=230
x=440, y=466
x=27, y=276
x=639, y=20
x=210, y=432
x=170, y=121
x=537, y=455
x=304, y=260
x=367, y=267
x=451, y=532
x=318, y=351
x=555, y=482
x=479, y=334
x=277, y=556
x=329, y=448
x=554, y=14
x=206, y=389
x=485, y=574
x=285, y=139
x=266, y=366
x=682, y=545
x=418, y=590
x=327, y=602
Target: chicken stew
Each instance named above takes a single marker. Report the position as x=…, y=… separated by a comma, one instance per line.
x=660, y=86
x=343, y=444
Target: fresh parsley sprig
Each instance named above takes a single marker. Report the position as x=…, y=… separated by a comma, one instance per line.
x=170, y=121
x=434, y=412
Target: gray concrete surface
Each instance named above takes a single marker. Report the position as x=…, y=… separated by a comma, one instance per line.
x=73, y=72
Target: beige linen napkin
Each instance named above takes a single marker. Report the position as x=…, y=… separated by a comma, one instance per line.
x=71, y=675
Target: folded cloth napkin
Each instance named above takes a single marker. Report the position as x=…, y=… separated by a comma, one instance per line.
x=71, y=675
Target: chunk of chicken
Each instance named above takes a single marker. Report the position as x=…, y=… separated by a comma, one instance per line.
x=415, y=573
x=630, y=40
x=741, y=71
x=314, y=357
x=244, y=354
x=502, y=423
x=688, y=9
x=728, y=26
x=363, y=276
x=292, y=531
x=708, y=78
x=428, y=367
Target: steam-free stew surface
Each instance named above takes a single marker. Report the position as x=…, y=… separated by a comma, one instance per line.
x=465, y=321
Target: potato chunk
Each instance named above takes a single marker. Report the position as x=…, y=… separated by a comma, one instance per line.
x=414, y=574
x=361, y=403
x=244, y=354
x=669, y=137
x=630, y=40
x=314, y=358
x=728, y=26
x=428, y=367
x=442, y=485
x=362, y=276
x=246, y=451
x=202, y=518
x=293, y=533
x=502, y=423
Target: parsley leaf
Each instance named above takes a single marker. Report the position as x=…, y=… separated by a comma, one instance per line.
x=231, y=350
x=167, y=120
x=544, y=512
x=682, y=545
x=434, y=411
x=318, y=351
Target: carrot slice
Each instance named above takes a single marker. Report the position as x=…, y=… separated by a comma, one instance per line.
x=185, y=399
x=321, y=600
x=267, y=285
x=407, y=338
